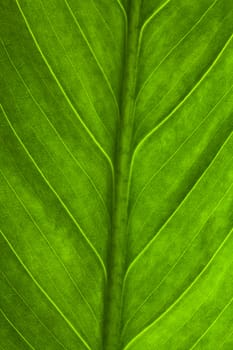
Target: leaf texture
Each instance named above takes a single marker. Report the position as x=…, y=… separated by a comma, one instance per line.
x=116, y=175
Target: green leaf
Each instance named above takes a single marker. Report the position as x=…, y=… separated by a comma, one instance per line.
x=116, y=173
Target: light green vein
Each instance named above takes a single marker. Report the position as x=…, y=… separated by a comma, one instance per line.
x=147, y=328
x=104, y=21
x=151, y=17
x=198, y=83
x=50, y=246
x=155, y=13
x=44, y=292
x=145, y=138
x=16, y=329
x=226, y=340
x=123, y=11
x=205, y=299
x=140, y=39
x=78, y=75
x=177, y=209
x=55, y=130
x=149, y=112
x=36, y=316
x=55, y=193
x=177, y=150
x=170, y=52
x=212, y=323
x=178, y=260
x=93, y=54
x=62, y=89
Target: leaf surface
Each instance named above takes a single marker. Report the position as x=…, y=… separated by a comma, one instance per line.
x=116, y=195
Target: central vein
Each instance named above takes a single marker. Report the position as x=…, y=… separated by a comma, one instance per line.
x=113, y=323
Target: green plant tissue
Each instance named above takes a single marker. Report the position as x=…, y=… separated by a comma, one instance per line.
x=116, y=173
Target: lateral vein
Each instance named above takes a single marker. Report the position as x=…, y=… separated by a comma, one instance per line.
x=49, y=245
x=173, y=48
x=44, y=292
x=176, y=210
x=180, y=104
x=55, y=130
x=141, y=333
x=62, y=89
x=178, y=149
x=16, y=329
x=178, y=260
x=212, y=323
x=93, y=54
x=36, y=316
x=55, y=193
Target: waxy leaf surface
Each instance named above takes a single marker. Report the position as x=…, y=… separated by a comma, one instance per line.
x=116, y=172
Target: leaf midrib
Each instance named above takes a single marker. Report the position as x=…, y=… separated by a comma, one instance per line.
x=118, y=240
